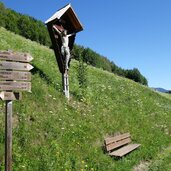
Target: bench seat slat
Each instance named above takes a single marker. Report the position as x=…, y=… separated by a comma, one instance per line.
x=116, y=138
x=118, y=144
x=124, y=150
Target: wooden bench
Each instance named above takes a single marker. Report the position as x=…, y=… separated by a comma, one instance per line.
x=119, y=145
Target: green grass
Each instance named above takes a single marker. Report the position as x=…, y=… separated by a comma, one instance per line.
x=162, y=161
x=51, y=134
x=166, y=95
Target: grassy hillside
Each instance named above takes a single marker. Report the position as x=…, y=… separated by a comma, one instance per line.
x=51, y=134
x=166, y=95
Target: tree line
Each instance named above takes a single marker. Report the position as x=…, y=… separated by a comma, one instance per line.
x=99, y=61
x=35, y=30
x=24, y=25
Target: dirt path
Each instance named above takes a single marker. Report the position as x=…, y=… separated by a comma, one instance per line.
x=144, y=165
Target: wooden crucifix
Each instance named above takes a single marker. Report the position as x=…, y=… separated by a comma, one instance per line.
x=62, y=27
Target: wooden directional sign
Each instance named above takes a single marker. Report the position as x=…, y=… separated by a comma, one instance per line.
x=15, y=75
x=10, y=85
x=20, y=57
x=12, y=66
x=10, y=96
x=15, y=66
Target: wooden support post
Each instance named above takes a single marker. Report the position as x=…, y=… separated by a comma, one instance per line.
x=8, y=136
x=65, y=82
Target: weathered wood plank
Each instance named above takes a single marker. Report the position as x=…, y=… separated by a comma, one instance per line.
x=10, y=95
x=15, y=75
x=11, y=56
x=116, y=138
x=118, y=144
x=20, y=86
x=124, y=150
x=15, y=66
x=8, y=136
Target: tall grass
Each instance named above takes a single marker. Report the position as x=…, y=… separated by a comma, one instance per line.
x=50, y=133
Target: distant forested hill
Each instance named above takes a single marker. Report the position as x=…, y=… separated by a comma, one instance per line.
x=162, y=90
x=24, y=25
x=35, y=30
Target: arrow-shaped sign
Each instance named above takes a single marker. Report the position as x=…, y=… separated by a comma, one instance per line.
x=20, y=86
x=15, y=75
x=11, y=56
x=10, y=96
x=15, y=66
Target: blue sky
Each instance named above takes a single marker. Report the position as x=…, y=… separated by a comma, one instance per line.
x=131, y=33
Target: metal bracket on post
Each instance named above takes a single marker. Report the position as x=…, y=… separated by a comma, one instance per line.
x=65, y=82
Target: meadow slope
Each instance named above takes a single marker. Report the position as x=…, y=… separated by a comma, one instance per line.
x=52, y=134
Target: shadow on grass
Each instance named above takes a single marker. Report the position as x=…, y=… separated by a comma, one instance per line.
x=45, y=77
x=113, y=157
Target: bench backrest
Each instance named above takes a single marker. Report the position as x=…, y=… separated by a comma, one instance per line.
x=117, y=141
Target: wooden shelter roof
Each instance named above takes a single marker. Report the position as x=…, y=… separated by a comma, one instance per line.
x=67, y=14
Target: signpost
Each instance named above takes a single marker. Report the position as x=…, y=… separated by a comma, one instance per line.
x=14, y=76
x=15, y=66
x=10, y=95
x=6, y=55
x=15, y=86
